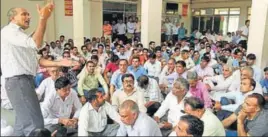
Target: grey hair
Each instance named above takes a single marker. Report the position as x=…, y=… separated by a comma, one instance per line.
x=192, y=75
x=130, y=105
x=249, y=69
x=11, y=13
x=230, y=68
x=183, y=83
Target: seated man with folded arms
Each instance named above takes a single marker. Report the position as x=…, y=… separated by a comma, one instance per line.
x=251, y=117
x=136, y=123
x=152, y=93
x=48, y=85
x=230, y=101
x=173, y=104
x=90, y=79
x=59, y=106
x=93, y=116
x=128, y=92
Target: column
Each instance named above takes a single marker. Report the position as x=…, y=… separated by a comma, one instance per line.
x=258, y=32
x=96, y=18
x=139, y=9
x=78, y=23
x=151, y=11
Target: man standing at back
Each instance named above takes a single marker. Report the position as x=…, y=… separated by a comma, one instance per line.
x=19, y=65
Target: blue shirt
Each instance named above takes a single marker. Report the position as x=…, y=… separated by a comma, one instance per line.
x=264, y=85
x=181, y=33
x=116, y=79
x=138, y=72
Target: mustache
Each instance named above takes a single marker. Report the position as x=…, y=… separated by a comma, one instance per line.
x=129, y=85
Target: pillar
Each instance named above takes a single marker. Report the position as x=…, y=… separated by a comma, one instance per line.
x=258, y=32
x=78, y=23
x=139, y=9
x=96, y=18
x=151, y=11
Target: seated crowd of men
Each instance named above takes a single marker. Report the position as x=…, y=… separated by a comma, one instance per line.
x=192, y=87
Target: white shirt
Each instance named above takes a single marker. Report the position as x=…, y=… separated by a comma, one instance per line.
x=131, y=26
x=143, y=126
x=153, y=92
x=207, y=71
x=212, y=62
x=168, y=27
x=171, y=103
x=245, y=31
x=175, y=30
x=153, y=69
x=121, y=28
x=18, y=52
x=137, y=96
x=54, y=107
x=212, y=125
x=222, y=85
x=46, y=87
x=238, y=97
x=123, y=56
x=91, y=120
x=189, y=62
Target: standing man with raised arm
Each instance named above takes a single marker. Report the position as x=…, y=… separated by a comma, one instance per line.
x=19, y=64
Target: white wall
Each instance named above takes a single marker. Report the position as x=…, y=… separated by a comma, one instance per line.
x=63, y=24
x=29, y=5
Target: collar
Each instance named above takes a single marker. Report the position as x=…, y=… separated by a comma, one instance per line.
x=13, y=25
x=131, y=93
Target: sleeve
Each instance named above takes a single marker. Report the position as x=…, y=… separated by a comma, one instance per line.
x=163, y=108
x=113, y=80
x=259, y=128
x=238, y=101
x=158, y=70
x=115, y=101
x=83, y=123
x=141, y=102
x=206, y=98
x=81, y=82
x=112, y=113
x=222, y=85
x=41, y=89
x=20, y=39
x=122, y=131
x=45, y=107
x=155, y=91
x=77, y=105
x=103, y=83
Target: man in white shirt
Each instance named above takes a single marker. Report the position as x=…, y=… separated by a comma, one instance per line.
x=185, y=57
x=121, y=30
x=122, y=54
x=243, y=31
x=128, y=92
x=136, y=123
x=59, y=106
x=168, y=29
x=212, y=125
x=93, y=116
x=203, y=69
x=48, y=85
x=153, y=67
x=251, y=59
x=152, y=93
x=131, y=26
x=173, y=103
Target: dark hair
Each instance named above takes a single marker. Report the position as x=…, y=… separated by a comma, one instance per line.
x=126, y=76
x=52, y=57
x=194, y=102
x=152, y=55
x=123, y=60
x=92, y=94
x=146, y=49
x=205, y=58
x=181, y=62
x=259, y=97
x=247, y=21
x=94, y=50
x=40, y=133
x=251, y=56
x=195, y=125
x=143, y=81
x=243, y=62
x=95, y=57
x=62, y=82
x=73, y=48
x=136, y=57
x=151, y=42
x=90, y=62
x=184, y=51
x=223, y=59
x=206, y=54
x=100, y=45
x=158, y=48
x=84, y=46
x=62, y=36
x=265, y=69
x=229, y=50
x=177, y=48
x=67, y=44
x=114, y=58
x=237, y=51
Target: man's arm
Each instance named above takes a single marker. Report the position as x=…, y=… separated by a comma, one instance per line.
x=241, y=129
x=229, y=120
x=44, y=14
x=63, y=62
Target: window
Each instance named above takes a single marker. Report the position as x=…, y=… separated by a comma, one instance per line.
x=217, y=19
x=172, y=8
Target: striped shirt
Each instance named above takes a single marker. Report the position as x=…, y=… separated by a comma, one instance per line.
x=18, y=52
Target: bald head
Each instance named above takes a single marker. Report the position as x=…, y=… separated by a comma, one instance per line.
x=129, y=105
x=19, y=16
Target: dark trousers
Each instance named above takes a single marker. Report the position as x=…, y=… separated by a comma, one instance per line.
x=153, y=108
x=223, y=114
x=28, y=115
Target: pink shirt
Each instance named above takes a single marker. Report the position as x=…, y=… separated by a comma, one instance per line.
x=112, y=67
x=201, y=92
